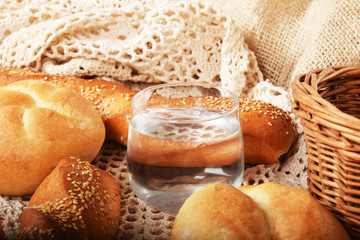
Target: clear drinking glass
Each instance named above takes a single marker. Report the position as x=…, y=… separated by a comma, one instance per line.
x=183, y=137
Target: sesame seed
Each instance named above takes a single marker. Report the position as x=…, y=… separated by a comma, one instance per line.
x=82, y=195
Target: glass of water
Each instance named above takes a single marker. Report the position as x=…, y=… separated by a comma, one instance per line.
x=181, y=138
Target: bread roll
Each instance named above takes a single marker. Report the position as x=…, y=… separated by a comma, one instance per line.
x=40, y=124
x=293, y=214
x=220, y=211
x=112, y=100
x=267, y=129
x=266, y=211
x=76, y=201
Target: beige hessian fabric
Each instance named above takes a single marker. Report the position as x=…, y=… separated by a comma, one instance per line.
x=293, y=36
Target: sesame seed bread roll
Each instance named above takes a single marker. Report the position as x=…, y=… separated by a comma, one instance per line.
x=179, y=153
x=292, y=213
x=112, y=100
x=268, y=131
x=40, y=124
x=220, y=211
x=76, y=201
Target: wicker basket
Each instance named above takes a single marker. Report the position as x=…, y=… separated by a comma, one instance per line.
x=327, y=102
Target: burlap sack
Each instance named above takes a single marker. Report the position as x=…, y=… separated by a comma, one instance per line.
x=293, y=36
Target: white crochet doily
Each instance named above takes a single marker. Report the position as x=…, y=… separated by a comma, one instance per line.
x=146, y=41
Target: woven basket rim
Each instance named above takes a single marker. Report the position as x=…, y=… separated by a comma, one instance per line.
x=304, y=92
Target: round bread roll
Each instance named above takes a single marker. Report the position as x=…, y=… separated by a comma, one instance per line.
x=268, y=131
x=266, y=211
x=111, y=99
x=75, y=201
x=40, y=124
x=220, y=211
x=293, y=214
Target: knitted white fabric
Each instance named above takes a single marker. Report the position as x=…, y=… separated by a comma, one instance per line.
x=152, y=42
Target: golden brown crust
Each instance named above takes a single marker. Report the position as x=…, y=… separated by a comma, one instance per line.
x=76, y=201
x=158, y=152
x=268, y=131
x=292, y=213
x=40, y=124
x=148, y=151
x=267, y=211
x=112, y=100
x=220, y=211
